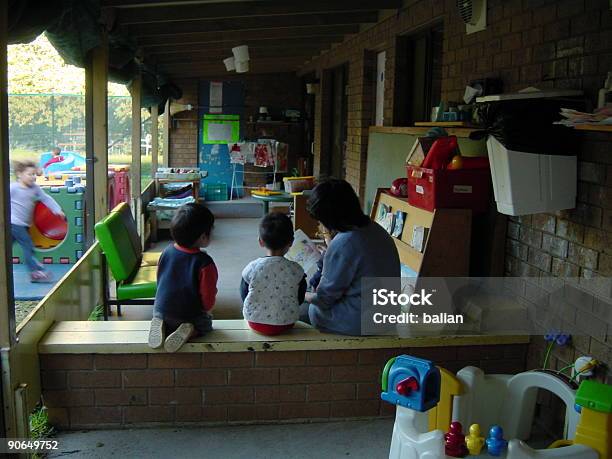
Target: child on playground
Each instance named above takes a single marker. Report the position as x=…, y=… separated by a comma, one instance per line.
x=56, y=157
x=273, y=287
x=24, y=195
x=186, y=281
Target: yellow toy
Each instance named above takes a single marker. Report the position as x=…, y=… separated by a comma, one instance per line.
x=474, y=441
x=595, y=426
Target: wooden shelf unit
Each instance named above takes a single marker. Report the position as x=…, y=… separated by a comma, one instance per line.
x=447, y=249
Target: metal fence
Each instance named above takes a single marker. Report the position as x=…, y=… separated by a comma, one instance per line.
x=38, y=122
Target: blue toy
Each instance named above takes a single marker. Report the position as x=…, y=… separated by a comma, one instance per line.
x=495, y=442
x=411, y=382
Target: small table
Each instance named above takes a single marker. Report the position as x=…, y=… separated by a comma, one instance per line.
x=266, y=200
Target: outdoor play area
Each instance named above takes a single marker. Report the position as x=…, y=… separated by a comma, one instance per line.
x=326, y=229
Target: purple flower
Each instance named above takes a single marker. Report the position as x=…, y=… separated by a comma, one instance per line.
x=562, y=339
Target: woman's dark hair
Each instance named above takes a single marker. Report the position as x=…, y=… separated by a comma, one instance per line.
x=335, y=204
x=190, y=222
x=276, y=231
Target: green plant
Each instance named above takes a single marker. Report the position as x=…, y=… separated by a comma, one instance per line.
x=97, y=313
x=40, y=427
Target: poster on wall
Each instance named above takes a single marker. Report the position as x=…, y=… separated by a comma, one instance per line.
x=216, y=97
x=217, y=129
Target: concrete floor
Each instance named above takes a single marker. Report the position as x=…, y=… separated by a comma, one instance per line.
x=353, y=439
x=234, y=244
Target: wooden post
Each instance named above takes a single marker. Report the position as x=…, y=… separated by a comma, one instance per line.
x=135, y=183
x=96, y=113
x=7, y=300
x=166, y=158
x=154, y=140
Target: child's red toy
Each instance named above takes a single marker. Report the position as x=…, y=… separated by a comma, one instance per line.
x=441, y=152
x=50, y=225
x=454, y=441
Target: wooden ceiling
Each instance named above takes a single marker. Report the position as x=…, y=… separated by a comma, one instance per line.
x=191, y=38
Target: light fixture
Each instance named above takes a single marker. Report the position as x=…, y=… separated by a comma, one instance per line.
x=241, y=53
x=230, y=64
x=177, y=108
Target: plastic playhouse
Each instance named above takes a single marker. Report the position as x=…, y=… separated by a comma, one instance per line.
x=58, y=240
x=441, y=415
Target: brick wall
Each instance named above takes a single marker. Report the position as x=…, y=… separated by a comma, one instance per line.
x=548, y=44
x=277, y=91
x=125, y=390
x=562, y=44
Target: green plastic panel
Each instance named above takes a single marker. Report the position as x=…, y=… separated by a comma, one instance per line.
x=72, y=247
x=117, y=247
x=595, y=395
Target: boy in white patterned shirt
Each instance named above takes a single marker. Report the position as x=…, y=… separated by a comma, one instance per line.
x=273, y=287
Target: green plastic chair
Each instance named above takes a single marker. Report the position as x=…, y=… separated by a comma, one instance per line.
x=120, y=243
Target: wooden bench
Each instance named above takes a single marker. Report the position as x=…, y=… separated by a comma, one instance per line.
x=103, y=374
x=121, y=337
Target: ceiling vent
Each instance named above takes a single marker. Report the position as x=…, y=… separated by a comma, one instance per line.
x=474, y=14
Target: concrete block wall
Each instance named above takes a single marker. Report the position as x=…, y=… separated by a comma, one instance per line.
x=128, y=390
x=543, y=43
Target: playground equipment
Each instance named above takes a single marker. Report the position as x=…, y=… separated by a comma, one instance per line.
x=71, y=160
x=62, y=241
x=429, y=399
x=58, y=240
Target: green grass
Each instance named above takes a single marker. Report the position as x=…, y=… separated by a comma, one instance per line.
x=97, y=314
x=39, y=424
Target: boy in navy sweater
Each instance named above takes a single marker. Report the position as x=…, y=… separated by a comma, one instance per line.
x=186, y=281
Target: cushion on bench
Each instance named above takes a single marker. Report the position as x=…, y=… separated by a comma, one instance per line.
x=143, y=285
x=135, y=274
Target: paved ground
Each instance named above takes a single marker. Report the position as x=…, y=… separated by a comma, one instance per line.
x=355, y=439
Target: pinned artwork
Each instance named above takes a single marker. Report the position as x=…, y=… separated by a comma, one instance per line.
x=263, y=155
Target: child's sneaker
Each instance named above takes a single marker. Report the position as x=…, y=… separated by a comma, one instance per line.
x=180, y=336
x=41, y=277
x=156, y=333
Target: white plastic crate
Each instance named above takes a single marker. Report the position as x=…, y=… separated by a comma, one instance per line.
x=528, y=183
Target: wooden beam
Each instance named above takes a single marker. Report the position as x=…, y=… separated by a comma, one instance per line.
x=154, y=140
x=273, y=34
x=96, y=139
x=135, y=169
x=217, y=68
x=166, y=136
x=252, y=23
x=8, y=339
x=255, y=54
x=294, y=43
x=188, y=12
x=7, y=306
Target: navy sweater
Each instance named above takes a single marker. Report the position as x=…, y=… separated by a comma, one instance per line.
x=186, y=282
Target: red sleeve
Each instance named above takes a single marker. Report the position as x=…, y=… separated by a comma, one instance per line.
x=208, y=286
x=55, y=159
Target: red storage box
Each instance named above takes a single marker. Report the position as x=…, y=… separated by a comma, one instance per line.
x=431, y=189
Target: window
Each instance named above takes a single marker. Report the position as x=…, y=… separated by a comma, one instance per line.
x=419, y=75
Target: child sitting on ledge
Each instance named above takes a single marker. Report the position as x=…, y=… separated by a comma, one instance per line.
x=186, y=281
x=273, y=287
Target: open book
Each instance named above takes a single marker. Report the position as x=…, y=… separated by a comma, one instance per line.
x=304, y=252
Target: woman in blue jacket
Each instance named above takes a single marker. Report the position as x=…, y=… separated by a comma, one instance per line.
x=360, y=248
